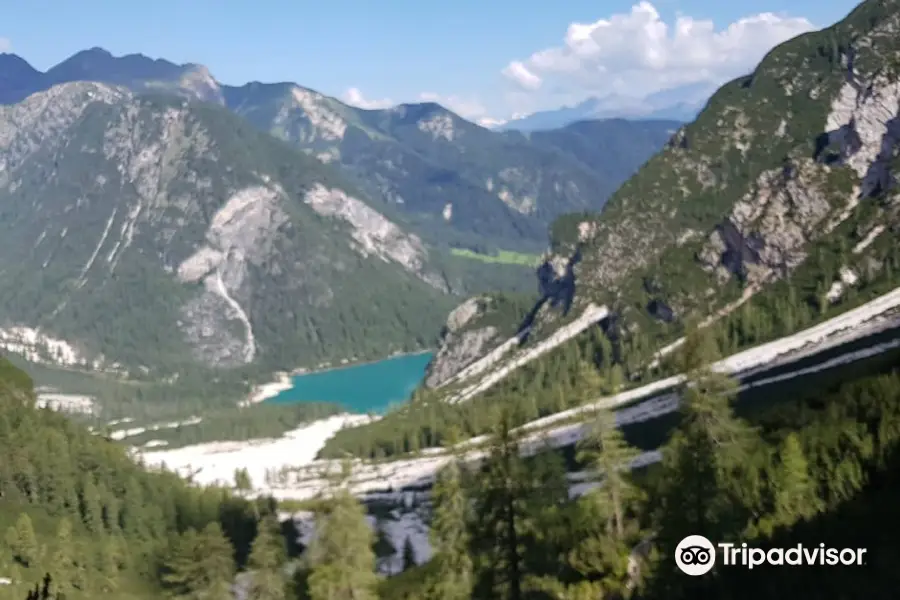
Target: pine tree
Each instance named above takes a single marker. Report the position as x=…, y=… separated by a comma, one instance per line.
x=267, y=555
x=22, y=541
x=500, y=517
x=63, y=561
x=710, y=480
x=606, y=511
x=452, y=579
x=341, y=560
x=108, y=565
x=91, y=508
x=201, y=565
x=795, y=491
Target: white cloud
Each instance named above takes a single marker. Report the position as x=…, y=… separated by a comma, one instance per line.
x=637, y=53
x=5, y=45
x=519, y=73
x=354, y=97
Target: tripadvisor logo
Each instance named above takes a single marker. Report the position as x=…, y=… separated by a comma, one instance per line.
x=696, y=555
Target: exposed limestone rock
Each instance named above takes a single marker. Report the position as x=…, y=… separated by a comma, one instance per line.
x=456, y=352
x=375, y=234
x=26, y=127
x=769, y=227
x=459, y=347
x=200, y=83
x=327, y=124
x=241, y=231
x=439, y=126
x=865, y=121
x=495, y=371
x=464, y=313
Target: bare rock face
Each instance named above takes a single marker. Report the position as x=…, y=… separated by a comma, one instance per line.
x=374, y=234
x=460, y=346
x=769, y=228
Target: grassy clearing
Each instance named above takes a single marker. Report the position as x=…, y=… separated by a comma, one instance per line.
x=505, y=257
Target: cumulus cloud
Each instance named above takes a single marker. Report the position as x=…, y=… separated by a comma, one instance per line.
x=519, y=73
x=637, y=53
x=354, y=97
x=5, y=44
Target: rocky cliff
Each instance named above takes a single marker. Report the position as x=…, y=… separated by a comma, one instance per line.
x=789, y=172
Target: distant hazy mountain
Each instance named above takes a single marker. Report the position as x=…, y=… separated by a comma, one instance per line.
x=676, y=104
x=452, y=182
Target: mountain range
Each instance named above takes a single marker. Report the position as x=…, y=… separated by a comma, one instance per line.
x=678, y=104
x=456, y=183
x=153, y=220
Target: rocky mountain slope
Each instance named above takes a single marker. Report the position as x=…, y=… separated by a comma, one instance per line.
x=784, y=185
x=164, y=233
x=459, y=184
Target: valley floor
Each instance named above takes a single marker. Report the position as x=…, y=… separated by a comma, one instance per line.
x=287, y=469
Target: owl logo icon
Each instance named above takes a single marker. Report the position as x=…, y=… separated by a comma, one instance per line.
x=695, y=555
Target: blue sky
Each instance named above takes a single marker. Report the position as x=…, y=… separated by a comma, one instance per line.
x=405, y=50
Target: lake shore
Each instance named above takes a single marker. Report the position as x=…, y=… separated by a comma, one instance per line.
x=284, y=380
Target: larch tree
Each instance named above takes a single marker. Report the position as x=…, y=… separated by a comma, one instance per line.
x=201, y=565
x=711, y=484
x=795, y=492
x=451, y=517
x=267, y=556
x=500, y=517
x=340, y=557
x=22, y=542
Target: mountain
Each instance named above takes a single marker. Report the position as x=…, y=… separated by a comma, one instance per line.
x=781, y=198
x=457, y=184
x=152, y=234
x=678, y=104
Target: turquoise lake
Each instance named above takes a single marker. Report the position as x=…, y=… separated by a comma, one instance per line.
x=371, y=387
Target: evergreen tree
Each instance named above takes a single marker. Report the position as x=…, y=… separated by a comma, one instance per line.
x=605, y=452
x=267, y=555
x=108, y=565
x=201, y=565
x=22, y=542
x=63, y=561
x=710, y=483
x=341, y=560
x=91, y=508
x=500, y=518
x=452, y=578
x=795, y=492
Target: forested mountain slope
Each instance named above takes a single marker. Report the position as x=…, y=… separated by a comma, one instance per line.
x=79, y=508
x=153, y=234
x=458, y=183
x=783, y=189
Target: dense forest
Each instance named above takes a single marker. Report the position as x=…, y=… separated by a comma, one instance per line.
x=818, y=468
